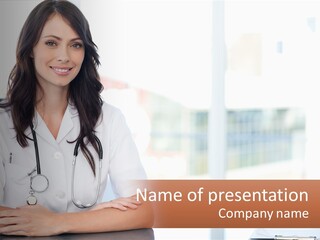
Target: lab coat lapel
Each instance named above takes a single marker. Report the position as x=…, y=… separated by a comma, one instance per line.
x=66, y=126
x=42, y=130
x=67, y=123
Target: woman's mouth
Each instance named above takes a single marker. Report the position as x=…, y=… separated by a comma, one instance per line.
x=61, y=71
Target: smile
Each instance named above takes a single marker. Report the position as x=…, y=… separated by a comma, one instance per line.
x=61, y=71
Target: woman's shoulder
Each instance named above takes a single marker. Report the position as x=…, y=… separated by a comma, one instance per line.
x=112, y=116
x=109, y=110
x=5, y=118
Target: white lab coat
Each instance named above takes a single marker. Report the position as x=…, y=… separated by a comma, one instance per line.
x=120, y=161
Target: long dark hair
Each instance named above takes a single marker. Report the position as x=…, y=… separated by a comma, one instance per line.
x=84, y=90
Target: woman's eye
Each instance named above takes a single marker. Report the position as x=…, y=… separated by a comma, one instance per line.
x=77, y=45
x=51, y=43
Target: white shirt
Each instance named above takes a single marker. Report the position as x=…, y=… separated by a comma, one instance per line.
x=120, y=161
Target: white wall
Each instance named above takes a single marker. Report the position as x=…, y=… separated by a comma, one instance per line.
x=158, y=45
x=12, y=16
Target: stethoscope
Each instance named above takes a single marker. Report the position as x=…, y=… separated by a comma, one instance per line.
x=39, y=183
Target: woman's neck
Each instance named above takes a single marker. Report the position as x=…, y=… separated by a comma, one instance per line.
x=51, y=108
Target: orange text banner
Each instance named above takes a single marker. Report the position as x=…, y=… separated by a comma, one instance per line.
x=233, y=203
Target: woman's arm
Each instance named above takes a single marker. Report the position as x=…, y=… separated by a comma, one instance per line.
x=4, y=208
x=109, y=219
x=38, y=221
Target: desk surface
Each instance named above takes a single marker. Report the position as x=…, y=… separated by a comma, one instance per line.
x=140, y=234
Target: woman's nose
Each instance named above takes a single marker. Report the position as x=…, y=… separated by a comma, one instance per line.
x=63, y=55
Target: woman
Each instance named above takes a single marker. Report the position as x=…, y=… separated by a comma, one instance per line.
x=53, y=111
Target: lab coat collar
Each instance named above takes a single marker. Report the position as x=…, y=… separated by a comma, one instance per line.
x=66, y=126
x=67, y=122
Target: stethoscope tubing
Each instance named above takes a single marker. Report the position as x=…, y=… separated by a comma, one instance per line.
x=78, y=203
x=45, y=180
x=36, y=149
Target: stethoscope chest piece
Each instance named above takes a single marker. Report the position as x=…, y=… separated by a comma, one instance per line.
x=39, y=183
x=32, y=200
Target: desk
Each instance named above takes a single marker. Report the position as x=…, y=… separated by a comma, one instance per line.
x=140, y=234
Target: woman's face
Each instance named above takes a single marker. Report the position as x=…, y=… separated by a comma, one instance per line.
x=58, y=55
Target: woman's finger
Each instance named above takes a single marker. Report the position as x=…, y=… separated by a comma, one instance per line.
x=119, y=206
x=109, y=205
x=12, y=220
x=15, y=229
x=127, y=204
x=17, y=233
x=9, y=213
x=128, y=200
x=119, y=203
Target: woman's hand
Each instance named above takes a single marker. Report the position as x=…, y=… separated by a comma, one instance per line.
x=29, y=221
x=39, y=221
x=119, y=203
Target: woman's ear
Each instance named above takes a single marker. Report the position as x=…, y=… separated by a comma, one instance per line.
x=31, y=55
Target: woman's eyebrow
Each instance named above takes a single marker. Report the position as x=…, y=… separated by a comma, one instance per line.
x=52, y=36
x=59, y=38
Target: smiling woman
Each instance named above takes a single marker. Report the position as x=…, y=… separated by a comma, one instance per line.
x=58, y=53
x=58, y=57
x=52, y=115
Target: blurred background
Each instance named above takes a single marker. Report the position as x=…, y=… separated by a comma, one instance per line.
x=210, y=89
